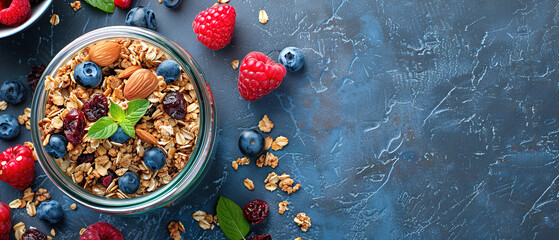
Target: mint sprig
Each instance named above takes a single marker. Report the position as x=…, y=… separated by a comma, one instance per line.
x=107, y=126
x=231, y=220
x=105, y=5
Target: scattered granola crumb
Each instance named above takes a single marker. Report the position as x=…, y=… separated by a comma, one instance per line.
x=223, y=1
x=54, y=19
x=175, y=227
x=3, y=105
x=267, y=159
x=205, y=220
x=268, y=143
x=263, y=17
x=73, y=206
x=15, y=204
x=31, y=209
x=42, y=195
x=160, y=1
x=298, y=238
x=235, y=64
x=49, y=238
x=265, y=124
x=303, y=221
x=240, y=162
x=279, y=143
x=52, y=232
x=19, y=230
x=283, y=207
x=82, y=231
x=249, y=184
x=76, y=5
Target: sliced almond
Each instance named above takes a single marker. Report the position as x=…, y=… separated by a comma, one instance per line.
x=140, y=84
x=126, y=73
x=146, y=136
x=104, y=53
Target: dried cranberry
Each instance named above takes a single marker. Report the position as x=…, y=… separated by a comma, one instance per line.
x=35, y=74
x=85, y=158
x=256, y=211
x=107, y=180
x=150, y=111
x=97, y=107
x=33, y=234
x=74, y=125
x=260, y=237
x=174, y=104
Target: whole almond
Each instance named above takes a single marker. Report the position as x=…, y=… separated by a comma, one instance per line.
x=145, y=136
x=128, y=71
x=105, y=53
x=140, y=84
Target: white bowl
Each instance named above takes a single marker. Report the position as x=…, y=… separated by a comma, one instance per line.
x=37, y=10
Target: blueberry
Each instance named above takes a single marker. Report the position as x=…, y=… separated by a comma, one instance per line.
x=56, y=147
x=155, y=158
x=292, y=58
x=119, y=136
x=172, y=3
x=141, y=17
x=50, y=211
x=88, y=74
x=129, y=183
x=12, y=91
x=251, y=143
x=9, y=127
x=169, y=70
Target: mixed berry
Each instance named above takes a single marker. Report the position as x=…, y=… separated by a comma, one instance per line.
x=88, y=74
x=256, y=211
x=5, y=221
x=292, y=59
x=174, y=104
x=251, y=143
x=129, y=182
x=169, y=70
x=9, y=127
x=141, y=17
x=74, y=126
x=56, y=147
x=50, y=211
x=101, y=231
x=154, y=158
x=97, y=107
x=12, y=91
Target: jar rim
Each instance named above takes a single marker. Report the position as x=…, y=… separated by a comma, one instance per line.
x=199, y=160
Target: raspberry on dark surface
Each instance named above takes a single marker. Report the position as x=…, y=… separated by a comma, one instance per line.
x=259, y=75
x=5, y=219
x=101, y=231
x=35, y=74
x=33, y=234
x=19, y=167
x=256, y=211
x=214, y=27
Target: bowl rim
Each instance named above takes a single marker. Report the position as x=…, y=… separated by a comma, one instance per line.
x=35, y=16
x=200, y=158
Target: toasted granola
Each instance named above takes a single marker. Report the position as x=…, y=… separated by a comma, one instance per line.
x=267, y=159
x=265, y=124
x=205, y=220
x=175, y=227
x=76, y=5
x=279, y=143
x=283, y=207
x=303, y=221
x=177, y=137
x=248, y=184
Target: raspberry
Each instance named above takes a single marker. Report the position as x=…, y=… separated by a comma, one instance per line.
x=214, y=27
x=259, y=75
x=4, y=4
x=17, y=166
x=5, y=221
x=35, y=74
x=122, y=4
x=18, y=12
x=101, y=231
x=256, y=211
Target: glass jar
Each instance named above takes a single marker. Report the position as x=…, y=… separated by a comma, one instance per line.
x=186, y=180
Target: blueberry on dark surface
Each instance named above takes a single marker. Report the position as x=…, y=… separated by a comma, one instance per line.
x=169, y=70
x=12, y=91
x=256, y=211
x=251, y=143
x=292, y=59
x=97, y=107
x=155, y=158
x=172, y=3
x=141, y=17
x=119, y=136
x=88, y=74
x=56, y=147
x=35, y=74
x=9, y=127
x=260, y=237
x=86, y=158
x=174, y=104
x=50, y=211
x=129, y=183
x=74, y=126
x=33, y=234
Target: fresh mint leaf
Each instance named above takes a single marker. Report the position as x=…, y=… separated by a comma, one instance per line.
x=105, y=5
x=231, y=220
x=116, y=112
x=136, y=110
x=128, y=128
x=103, y=128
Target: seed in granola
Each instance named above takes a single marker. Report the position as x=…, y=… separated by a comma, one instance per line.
x=96, y=108
x=174, y=104
x=74, y=125
x=265, y=124
x=249, y=184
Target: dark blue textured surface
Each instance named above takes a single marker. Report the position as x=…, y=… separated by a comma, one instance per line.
x=431, y=119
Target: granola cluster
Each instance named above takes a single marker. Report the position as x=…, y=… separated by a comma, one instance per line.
x=205, y=220
x=177, y=137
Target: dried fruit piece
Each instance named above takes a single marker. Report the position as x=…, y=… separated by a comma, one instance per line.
x=104, y=53
x=97, y=107
x=85, y=158
x=174, y=104
x=33, y=234
x=140, y=84
x=74, y=125
x=260, y=237
x=256, y=211
x=35, y=74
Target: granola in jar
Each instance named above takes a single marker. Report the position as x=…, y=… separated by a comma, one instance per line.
x=78, y=112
